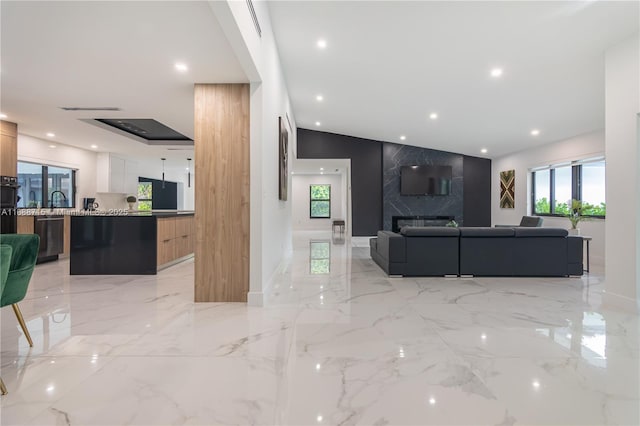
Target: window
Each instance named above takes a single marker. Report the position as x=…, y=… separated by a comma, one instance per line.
x=45, y=186
x=592, y=185
x=320, y=204
x=145, y=195
x=555, y=187
x=542, y=192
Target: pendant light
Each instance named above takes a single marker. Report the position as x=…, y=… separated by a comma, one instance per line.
x=163, y=160
x=189, y=172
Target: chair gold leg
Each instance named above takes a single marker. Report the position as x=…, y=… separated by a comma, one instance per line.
x=3, y=388
x=16, y=309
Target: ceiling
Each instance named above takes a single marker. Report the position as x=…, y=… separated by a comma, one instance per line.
x=109, y=54
x=389, y=64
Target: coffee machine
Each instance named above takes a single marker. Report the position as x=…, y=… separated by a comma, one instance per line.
x=89, y=204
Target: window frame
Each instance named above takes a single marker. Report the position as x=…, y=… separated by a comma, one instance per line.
x=576, y=187
x=45, y=185
x=311, y=200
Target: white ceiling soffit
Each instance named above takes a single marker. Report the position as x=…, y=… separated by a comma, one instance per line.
x=388, y=65
x=308, y=166
x=109, y=54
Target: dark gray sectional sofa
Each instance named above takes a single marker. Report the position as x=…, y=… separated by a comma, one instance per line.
x=518, y=251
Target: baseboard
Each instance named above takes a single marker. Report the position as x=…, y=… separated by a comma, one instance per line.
x=255, y=298
x=618, y=302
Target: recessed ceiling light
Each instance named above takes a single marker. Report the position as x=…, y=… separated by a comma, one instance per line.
x=535, y=132
x=321, y=168
x=483, y=150
x=317, y=123
x=94, y=146
x=52, y=146
x=322, y=43
x=319, y=98
x=51, y=135
x=3, y=115
x=181, y=67
x=433, y=116
x=496, y=72
x=403, y=137
x=293, y=173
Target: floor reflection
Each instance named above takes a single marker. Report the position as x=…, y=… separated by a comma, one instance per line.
x=319, y=257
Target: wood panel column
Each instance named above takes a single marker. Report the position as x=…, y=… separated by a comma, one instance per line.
x=222, y=192
x=8, y=148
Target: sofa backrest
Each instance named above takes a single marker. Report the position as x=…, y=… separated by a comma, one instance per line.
x=531, y=221
x=482, y=232
x=429, y=231
x=540, y=232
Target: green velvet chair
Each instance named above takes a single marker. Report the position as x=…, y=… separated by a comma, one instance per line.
x=5, y=261
x=24, y=252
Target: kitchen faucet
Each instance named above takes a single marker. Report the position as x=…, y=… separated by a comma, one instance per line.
x=51, y=198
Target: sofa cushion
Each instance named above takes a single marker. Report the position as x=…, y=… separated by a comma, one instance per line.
x=486, y=232
x=429, y=231
x=541, y=232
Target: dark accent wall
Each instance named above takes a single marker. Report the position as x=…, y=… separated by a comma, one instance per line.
x=375, y=180
x=163, y=198
x=366, y=173
x=394, y=156
x=476, y=180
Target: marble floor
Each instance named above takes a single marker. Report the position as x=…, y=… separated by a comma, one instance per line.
x=338, y=343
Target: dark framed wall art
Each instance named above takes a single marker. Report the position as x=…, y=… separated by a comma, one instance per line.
x=284, y=160
x=508, y=189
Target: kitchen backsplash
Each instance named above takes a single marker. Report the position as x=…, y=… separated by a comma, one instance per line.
x=111, y=200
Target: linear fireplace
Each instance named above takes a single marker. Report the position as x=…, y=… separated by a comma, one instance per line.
x=398, y=222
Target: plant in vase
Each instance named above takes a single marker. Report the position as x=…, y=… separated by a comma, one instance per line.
x=132, y=201
x=575, y=216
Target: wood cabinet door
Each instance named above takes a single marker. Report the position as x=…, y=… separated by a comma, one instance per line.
x=166, y=251
x=182, y=246
x=166, y=228
x=183, y=226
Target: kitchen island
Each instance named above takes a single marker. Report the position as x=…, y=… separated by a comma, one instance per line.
x=138, y=243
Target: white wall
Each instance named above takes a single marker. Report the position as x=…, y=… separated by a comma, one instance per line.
x=270, y=219
x=622, y=105
x=580, y=147
x=300, y=201
x=38, y=151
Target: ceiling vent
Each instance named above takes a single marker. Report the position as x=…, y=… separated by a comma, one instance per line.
x=90, y=108
x=252, y=12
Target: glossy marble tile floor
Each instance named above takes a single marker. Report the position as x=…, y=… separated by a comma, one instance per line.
x=339, y=343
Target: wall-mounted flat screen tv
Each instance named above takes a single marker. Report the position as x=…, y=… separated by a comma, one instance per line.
x=425, y=180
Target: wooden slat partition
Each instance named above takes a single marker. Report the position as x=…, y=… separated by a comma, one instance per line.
x=222, y=192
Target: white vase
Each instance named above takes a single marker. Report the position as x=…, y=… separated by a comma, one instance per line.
x=574, y=231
